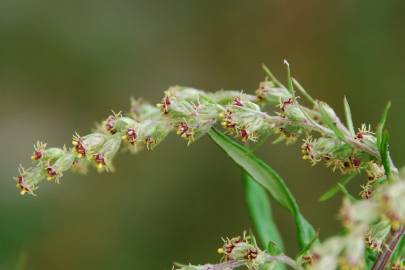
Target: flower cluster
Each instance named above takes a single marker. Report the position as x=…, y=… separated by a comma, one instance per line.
x=368, y=223
x=191, y=113
x=243, y=251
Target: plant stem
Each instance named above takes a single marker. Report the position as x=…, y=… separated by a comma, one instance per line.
x=392, y=243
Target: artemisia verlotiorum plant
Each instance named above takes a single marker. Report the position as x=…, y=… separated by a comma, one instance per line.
x=373, y=221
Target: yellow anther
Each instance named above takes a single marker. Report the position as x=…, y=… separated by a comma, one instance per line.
x=220, y=250
x=75, y=143
x=23, y=191
x=100, y=166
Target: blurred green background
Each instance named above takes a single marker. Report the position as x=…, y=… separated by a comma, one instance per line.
x=66, y=64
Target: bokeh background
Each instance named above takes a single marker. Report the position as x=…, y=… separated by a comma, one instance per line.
x=66, y=64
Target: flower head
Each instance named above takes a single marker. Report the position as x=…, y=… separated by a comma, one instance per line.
x=55, y=169
x=110, y=123
x=269, y=93
x=88, y=144
x=104, y=156
x=39, y=150
x=28, y=180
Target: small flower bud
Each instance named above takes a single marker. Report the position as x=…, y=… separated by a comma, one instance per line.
x=88, y=144
x=269, y=93
x=185, y=131
x=111, y=122
x=64, y=163
x=152, y=132
x=366, y=136
x=353, y=256
x=375, y=171
x=377, y=234
x=28, y=180
x=290, y=109
x=325, y=255
x=39, y=149
x=391, y=199
x=103, y=157
x=244, y=119
x=358, y=214
x=177, y=100
x=131, y=135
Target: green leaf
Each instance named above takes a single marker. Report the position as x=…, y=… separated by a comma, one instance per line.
x=272, y=77
x=399, y=252
x=309, y=246
x=274, y=249
x=333, y=190
x=268, y=178
x=260, y=211
x=371, y=257
x=303, y=91
x=381, y=124
x=290, y=85
x=348, y=114
x=382, y=140
x=385, y=159
x=346, y=192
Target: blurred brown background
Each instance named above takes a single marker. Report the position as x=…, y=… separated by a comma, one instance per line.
x=66, y=64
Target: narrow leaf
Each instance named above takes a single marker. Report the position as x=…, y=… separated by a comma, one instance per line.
x=260, y=211
x=268, y=178
x=385, y=159
x=371, y=257
x=346, y=192
x=381, y=124
x=273, y=249
x=290, y=85
x=272, y=77
x=348, y=114
x=309, y=246
x=261, y=214
x=400, y=250
x=304, y=92
x=333, y=190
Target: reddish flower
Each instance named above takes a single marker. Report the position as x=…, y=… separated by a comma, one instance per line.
x=238, y=102
x=131, y=135
x=110, y=124
x=52, y=173
x=286, y=103
x=165, y=105
x=38, y=154
x=100, y=160
x=184, y=130
x=251, y=254
x=79, y=147
x=244, y=134
x=22, y=184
